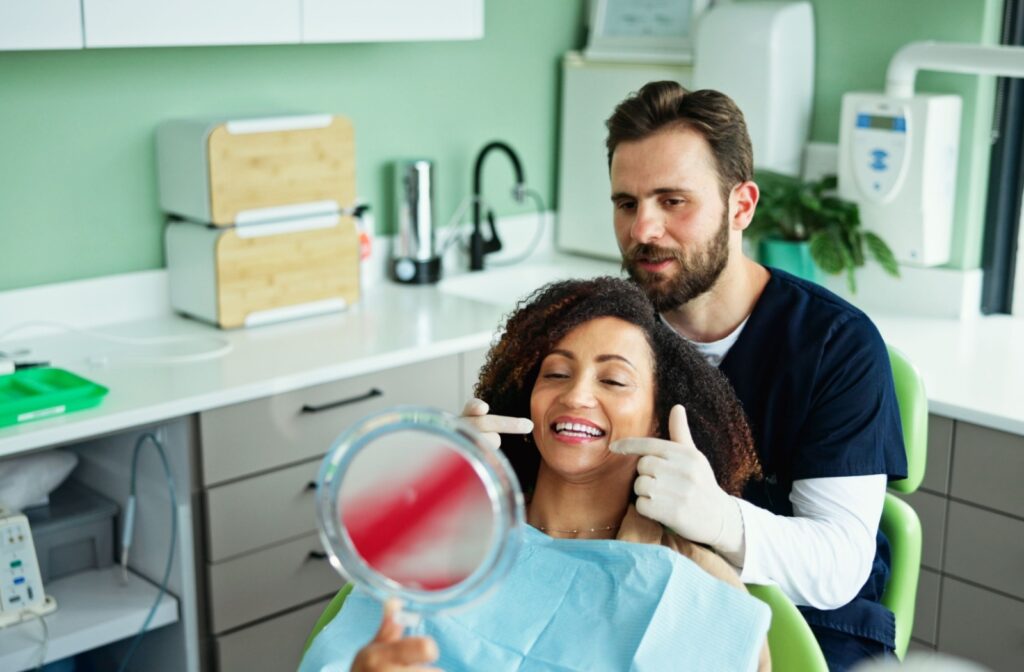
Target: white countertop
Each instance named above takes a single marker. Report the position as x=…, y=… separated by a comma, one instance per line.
x=973, y=370
x=391, y=326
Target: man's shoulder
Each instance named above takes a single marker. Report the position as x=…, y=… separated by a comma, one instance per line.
x=804, y=305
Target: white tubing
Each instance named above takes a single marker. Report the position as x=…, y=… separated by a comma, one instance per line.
x=969, y=59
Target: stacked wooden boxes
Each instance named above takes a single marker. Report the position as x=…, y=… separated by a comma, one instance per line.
x=260, y=229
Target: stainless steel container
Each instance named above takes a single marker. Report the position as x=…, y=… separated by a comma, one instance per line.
x=414, y=257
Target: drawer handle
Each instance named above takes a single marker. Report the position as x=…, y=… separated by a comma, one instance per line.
x=309, y=408
x=317, y=555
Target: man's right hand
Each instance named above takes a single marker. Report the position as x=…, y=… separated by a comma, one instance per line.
x=491, y=426
x=392, y=652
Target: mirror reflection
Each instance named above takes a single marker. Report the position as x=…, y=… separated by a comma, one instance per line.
x=415, y=510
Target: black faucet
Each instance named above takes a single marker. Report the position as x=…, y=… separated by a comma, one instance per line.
x=478, y=245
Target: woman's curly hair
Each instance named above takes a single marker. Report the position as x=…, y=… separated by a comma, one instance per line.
x=681, y=376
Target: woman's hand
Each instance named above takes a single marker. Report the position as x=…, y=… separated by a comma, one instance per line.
x=491, y=426
x=390, y=651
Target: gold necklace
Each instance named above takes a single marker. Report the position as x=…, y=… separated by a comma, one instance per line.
x=607, y=528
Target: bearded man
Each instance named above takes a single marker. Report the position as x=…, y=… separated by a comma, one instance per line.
x=811, y=370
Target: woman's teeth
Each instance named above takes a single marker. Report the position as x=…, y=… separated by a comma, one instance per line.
x=577, y=429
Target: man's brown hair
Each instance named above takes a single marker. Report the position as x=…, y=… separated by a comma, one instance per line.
x=661, y=105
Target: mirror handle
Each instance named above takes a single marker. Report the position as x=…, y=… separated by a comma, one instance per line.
x=374, y=392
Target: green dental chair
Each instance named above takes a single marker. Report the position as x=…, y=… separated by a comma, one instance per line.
x=330, y=611
x=899, y=520
x=792, y=643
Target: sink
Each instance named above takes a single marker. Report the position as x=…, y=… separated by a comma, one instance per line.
x=505, y=286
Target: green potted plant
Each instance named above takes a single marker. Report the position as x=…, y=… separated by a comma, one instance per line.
x=802, y=226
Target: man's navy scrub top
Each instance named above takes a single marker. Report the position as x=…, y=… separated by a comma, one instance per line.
x=814, y=378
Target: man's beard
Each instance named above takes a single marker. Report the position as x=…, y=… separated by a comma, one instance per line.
x=697, y=273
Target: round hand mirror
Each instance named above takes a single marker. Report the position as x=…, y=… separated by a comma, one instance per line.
x=413, y=503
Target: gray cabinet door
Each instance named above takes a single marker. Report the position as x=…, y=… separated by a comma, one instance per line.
x=926, y=608
x=470, y=363
x=988, y=468
x=275, y=644
x=986, y=548
x=940, y=450
x=981, y=625
x=260, y=511
x=275, y=579
x=285, y=429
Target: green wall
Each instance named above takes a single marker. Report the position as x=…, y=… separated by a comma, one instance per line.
x=77, y=182
x=856, y=39
x=77, y=168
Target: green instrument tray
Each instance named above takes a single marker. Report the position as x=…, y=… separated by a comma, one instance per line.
x=33, y=394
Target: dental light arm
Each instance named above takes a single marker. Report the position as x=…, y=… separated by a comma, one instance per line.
x=969, y=59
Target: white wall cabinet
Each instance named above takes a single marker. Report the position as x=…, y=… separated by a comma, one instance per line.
x=73, y=24
x=391, y=20
x=40, y=24
x=158, y=23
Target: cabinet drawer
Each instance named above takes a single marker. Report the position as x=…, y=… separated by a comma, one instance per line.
x=931, y=509
x=470, y=363
x=275, y=579
x=988, y=468
x=271, y=645
x=275, y=431
x=982, y=626
x=260, y=511
x=926, y=608
x=986, y=548
x=940, y=448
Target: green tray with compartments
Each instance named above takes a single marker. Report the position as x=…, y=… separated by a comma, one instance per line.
x=34, y=394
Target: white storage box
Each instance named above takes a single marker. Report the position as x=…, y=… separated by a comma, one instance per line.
x=260, y=273
x=228, y=172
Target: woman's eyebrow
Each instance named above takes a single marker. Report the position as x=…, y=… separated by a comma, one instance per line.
x=563, y=353
x=600, y=358
x=605, y=358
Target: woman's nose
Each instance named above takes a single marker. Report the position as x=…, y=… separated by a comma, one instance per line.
x=647, y=224
x=579, y=394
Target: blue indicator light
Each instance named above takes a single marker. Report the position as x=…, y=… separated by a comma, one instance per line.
x=20, y=580
x=900, y=124
x=863, y=121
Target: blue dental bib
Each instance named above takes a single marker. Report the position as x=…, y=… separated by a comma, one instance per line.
x=569, y=604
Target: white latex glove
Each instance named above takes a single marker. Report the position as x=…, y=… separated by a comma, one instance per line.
x=677, y=488
x=475, y=413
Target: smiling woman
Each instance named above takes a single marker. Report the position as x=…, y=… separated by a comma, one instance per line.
x=595, y=353
x=592, y=365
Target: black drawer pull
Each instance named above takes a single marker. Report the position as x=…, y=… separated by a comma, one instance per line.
x=317, y=555
x=308, y=408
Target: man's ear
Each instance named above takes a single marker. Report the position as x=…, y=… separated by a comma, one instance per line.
x=742, y=203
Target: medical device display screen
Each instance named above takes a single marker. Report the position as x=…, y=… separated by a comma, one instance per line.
x=881, y=122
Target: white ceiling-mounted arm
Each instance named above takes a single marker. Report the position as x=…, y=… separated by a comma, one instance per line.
x=970, y=59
